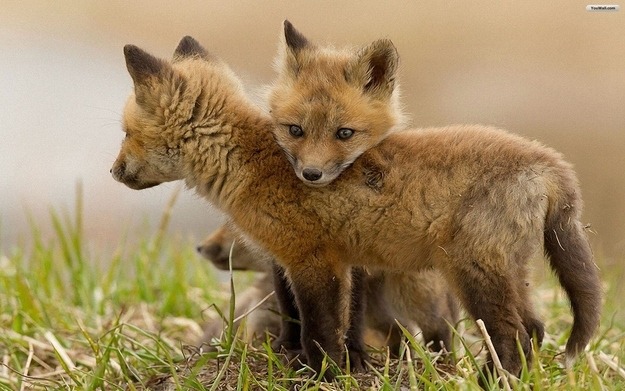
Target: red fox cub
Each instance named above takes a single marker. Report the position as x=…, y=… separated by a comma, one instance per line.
x=414, y=299
x=476, y=203
x=331, y=106
x=259, y=321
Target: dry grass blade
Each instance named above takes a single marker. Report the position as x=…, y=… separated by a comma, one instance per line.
x=614, y=365
x=60, y=351
x=503, y=374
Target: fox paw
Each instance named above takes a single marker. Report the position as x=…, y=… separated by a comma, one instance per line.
x=358, y=359
x=291, y=351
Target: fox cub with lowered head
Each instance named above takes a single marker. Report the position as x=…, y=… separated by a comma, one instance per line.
x=476, y=203
x=332, y=105
x=256, y=301
x=415, y=300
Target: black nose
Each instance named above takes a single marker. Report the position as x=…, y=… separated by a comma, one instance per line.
x=312, y=174
x=209, y=251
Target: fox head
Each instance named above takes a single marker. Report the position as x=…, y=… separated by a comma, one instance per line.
x=217, y=248
x=167, y=106
x=330, y=106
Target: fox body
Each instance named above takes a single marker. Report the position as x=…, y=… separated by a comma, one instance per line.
x=414, y=299
x=475, y=203
x=332, y=105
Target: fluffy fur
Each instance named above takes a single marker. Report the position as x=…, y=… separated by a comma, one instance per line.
x=476, y=203
x=326, y=92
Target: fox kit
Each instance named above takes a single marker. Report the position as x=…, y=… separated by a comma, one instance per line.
x=331, y=106
x=259, y=321
x=415, y=300
x=476, y=203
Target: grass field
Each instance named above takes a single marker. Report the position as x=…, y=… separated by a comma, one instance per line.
x=71, y=320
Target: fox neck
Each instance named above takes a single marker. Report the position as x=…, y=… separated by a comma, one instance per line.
x=215, y=155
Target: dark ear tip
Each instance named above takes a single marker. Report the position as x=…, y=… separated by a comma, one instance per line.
x=387, y=44
x=189, y=46
x=294, y=39
x=128, y=49
x=187, y=39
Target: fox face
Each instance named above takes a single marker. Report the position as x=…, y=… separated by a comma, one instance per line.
x=143, y=161
x=165, y=107
x=331, y=106
x=145, y=158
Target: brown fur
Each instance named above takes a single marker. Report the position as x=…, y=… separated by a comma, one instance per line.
x=474, y=202
x=322, y=91
x=415, y=300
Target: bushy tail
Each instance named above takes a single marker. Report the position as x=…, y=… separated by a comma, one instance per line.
x=571, y=258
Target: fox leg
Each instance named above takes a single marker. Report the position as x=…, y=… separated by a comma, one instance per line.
x=290, y=330
x=381, y=312
x=322, y=293
x=533, y=325
x=355, y=343
x=491, y=295
x=422, y=298
x=432, y=307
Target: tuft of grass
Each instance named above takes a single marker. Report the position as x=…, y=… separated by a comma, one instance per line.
x=72, y=321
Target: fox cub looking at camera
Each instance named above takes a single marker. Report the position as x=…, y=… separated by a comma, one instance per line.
x=476, y=203
x=331, y=106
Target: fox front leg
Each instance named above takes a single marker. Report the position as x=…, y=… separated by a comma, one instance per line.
x=323, y=295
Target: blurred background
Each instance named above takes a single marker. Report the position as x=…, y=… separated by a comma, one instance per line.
x=547, y=70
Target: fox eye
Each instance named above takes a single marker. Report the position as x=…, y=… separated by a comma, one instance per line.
x=296, y=131
x=344, y=133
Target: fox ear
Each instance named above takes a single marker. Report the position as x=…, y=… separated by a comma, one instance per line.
x=294, y=39
x=290, y=56
x=189, y=47
x=142, y=65
x=375, y=67
x=145, y=70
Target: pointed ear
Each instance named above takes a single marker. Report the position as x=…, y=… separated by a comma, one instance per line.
x=142, y=65
x=189, y=47
x=291, y=50
x=295, y=41
x=375, y=68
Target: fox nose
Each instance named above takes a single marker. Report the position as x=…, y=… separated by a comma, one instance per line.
x=210, y=251
x=311, y=174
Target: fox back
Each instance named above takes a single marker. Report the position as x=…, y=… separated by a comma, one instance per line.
x=332, y=105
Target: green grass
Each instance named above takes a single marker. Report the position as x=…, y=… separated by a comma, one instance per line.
x=71, y=320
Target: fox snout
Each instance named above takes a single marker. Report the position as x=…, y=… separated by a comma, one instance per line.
x=217, y=246
x=118, y=171
x=318, y=177
x=123, y=174
x=120, y=174
x=312, y=174
x=215, y=253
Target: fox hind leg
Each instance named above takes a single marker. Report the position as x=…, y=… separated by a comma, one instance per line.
x=493, y=296
x=533, y=325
